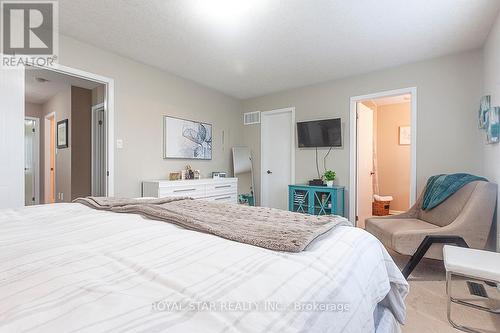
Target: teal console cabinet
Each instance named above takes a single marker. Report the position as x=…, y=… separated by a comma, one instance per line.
x=316, y=200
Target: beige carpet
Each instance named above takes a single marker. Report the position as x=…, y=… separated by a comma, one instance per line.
x=426, y=303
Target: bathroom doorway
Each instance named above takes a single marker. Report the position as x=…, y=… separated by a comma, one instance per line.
x=384, y=159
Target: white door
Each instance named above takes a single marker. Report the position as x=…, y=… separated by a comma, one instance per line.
x=278, y=155
x=11, y=138
x=99, y=154
x=365, y=164
x=31, y=173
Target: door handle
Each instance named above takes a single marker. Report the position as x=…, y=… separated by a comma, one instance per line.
x=372, y=173
x=269, y=172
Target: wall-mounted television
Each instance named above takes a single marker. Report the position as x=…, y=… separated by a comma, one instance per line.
x=320, y=133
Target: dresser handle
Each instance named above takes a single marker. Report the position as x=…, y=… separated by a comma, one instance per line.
x=186, y=190
x=222, y=186
x=222, y=198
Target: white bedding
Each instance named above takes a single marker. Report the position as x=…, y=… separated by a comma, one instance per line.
x=68, y=268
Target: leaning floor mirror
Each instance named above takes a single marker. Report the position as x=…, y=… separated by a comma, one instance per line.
x=243, y=170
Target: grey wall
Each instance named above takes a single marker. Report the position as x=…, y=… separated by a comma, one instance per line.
x=491, y=73
x=143, y=95
x=61, y=105
x=449, y=89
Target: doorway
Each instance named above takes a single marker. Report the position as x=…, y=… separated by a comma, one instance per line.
x=383, y=161
x=277, y=156
x=73, y=142
x=31, y=161
x=49, y=152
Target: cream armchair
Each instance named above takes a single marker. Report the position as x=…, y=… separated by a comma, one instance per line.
x=464, y=219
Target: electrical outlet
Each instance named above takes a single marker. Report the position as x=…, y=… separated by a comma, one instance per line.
x=119, y=144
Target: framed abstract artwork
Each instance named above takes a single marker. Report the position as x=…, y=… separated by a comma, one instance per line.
x=493, y=125
x=483, y=111
x=404, y=135
x=186, y=139
x=62, y=134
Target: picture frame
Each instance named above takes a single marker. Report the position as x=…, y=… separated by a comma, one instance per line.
x=493, y=125
x=484, y=107
x=186, y=139
x=62, y=134
x=404, y=135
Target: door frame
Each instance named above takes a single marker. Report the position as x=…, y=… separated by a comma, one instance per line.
x=109, y=108
x=93, y=110
x=353, y=145
x=263, y=115
x=46, y=155
x=37, y=159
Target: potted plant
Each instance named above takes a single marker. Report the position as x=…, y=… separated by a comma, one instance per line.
x=329, y=177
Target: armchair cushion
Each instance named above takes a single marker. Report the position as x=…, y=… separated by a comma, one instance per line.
x=401, y=235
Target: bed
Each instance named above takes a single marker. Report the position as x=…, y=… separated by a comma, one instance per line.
x=70, y=268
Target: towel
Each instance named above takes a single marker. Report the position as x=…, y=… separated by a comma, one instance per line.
x=441, y=187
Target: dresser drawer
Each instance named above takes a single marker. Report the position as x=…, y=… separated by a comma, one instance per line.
x=217, y=189
x=182, y=191
x=227, y=198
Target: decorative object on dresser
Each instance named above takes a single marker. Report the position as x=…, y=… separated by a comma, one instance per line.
x=186, y=139
x=223, y=190
x=218, y=174
x=316, y=200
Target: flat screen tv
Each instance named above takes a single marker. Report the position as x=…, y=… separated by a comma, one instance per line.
x=320, y=133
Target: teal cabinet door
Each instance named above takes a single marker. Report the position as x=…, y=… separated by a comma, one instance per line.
x=316, y=200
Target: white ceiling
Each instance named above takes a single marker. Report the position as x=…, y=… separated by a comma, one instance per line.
x=249, y=48
x=40, y=92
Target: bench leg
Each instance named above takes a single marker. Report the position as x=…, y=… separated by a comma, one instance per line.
x=450, y=300
x=424, y=247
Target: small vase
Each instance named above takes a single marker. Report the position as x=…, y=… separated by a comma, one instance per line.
x=329, y=183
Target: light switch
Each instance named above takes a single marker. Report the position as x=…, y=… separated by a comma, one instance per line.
x=119, y=144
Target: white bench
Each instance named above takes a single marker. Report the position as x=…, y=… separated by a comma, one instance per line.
x=472, y=264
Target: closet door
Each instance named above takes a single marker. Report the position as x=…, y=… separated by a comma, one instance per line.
x=11, y=138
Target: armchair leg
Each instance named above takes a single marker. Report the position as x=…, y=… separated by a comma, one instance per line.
x=424, y=247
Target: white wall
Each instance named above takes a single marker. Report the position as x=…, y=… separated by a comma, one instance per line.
x=143, y=94
x=449, y=89
x=491, y=73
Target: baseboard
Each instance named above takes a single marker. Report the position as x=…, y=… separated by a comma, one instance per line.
x=395, y=212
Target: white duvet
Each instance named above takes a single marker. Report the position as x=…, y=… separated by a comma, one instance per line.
x=68, y=268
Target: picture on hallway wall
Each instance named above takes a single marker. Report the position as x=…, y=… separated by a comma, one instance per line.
x=62, y=134
x=483, y=111
x=186, y=139
x=493, y=125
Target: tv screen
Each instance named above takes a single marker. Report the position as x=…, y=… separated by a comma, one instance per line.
x=320, y=133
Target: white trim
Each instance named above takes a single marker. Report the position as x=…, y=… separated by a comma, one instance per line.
x=37, y=181
x=109, y=103
x=292, y=146
x=353, y=144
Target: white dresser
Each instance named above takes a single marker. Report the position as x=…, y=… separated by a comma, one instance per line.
x=222, y=190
